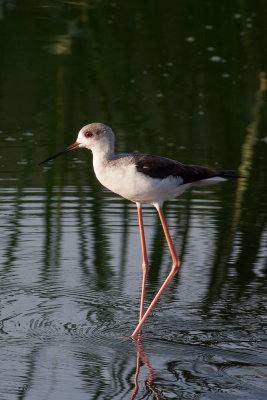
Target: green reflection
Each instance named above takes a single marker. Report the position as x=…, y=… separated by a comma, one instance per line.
x=178, y=79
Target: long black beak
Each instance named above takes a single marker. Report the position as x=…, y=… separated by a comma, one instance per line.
x=69, y=148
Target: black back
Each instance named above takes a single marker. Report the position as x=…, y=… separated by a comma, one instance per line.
x=161, y=167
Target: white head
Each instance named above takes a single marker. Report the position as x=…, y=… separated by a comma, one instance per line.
x=96, y=137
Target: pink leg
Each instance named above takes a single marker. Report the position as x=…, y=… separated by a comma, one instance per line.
x=145, y=260
x=175, y=267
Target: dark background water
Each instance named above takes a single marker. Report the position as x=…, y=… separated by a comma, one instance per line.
x=183, y=79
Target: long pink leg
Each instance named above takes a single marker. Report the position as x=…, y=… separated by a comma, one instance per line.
x=145, y=260
x=175, y=267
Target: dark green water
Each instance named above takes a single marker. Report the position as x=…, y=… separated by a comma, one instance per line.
x=183, y=79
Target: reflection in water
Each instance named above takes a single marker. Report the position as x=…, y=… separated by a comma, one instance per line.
x=60, y=45
x=141, y=355
x=71, y=266
x=60, y=292
x=236, y=249
x=173, y=80
x=247, y=150
x=57, y=316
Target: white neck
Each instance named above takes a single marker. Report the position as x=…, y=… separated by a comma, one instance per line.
x=103, y=151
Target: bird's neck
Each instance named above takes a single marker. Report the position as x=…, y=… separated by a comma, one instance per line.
x=103, y=154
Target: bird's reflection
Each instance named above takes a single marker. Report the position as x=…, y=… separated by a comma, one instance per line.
x=142, y=357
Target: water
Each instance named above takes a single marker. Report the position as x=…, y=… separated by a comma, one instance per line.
x=185, y=81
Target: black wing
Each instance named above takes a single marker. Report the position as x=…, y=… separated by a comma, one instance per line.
x=160, y=167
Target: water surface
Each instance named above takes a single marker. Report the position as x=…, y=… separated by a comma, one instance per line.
x=186, y=81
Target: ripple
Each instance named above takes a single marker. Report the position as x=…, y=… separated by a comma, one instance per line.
x=70, y=289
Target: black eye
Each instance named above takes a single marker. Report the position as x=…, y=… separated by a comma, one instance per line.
x=88, y=134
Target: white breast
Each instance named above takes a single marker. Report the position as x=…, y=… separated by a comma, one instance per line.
x=126, y=181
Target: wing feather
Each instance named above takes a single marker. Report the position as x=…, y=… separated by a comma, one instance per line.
x=161, y=167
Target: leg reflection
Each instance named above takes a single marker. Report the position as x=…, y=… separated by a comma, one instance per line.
x=142, y=356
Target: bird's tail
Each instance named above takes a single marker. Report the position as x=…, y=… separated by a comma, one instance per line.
x=228, y=173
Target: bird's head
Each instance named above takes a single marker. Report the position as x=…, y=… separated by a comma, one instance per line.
x=92, y=136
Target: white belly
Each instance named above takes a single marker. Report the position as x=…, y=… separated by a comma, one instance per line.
x=126, y=181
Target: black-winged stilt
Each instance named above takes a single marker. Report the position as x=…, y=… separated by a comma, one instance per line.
x=142, y=178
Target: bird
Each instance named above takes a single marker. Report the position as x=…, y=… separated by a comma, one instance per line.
x=142, y=179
